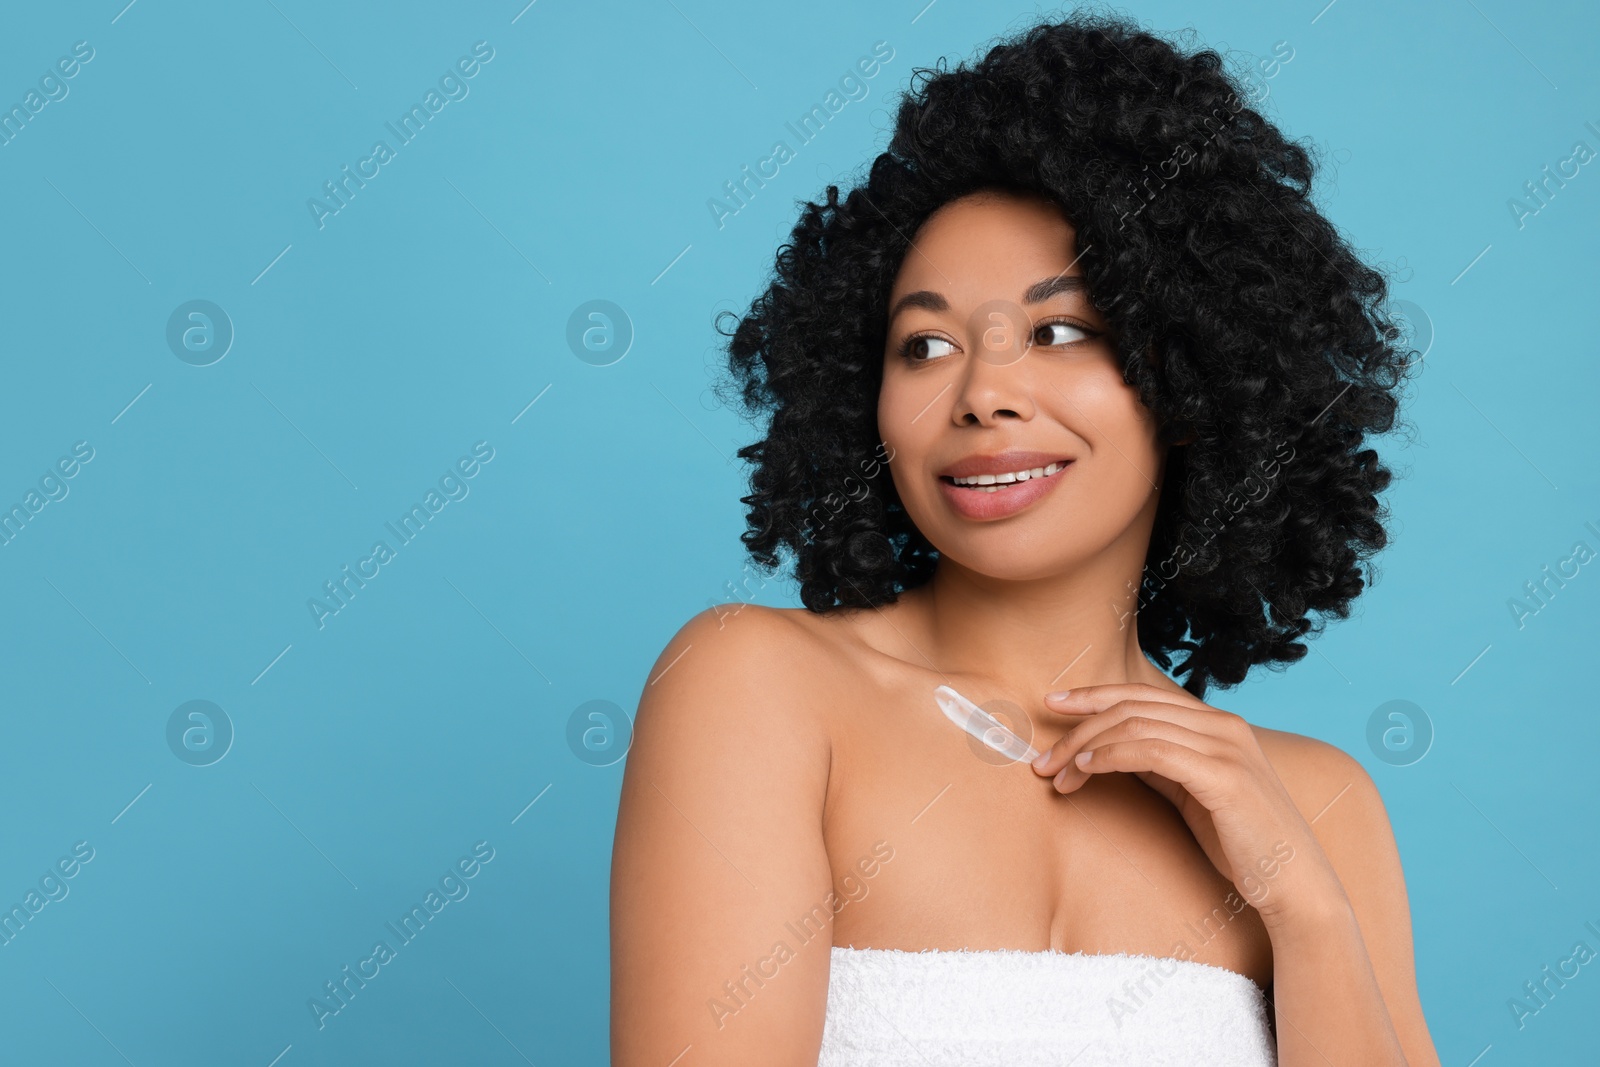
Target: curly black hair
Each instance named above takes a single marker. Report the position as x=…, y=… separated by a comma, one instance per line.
x=1260, y=341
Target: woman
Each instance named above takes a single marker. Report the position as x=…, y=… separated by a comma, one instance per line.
x=1077, y=379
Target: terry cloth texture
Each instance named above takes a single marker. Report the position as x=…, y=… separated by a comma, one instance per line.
x=1016, y=1008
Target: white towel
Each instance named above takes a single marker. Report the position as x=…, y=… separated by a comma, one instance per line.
x=1014, y=1008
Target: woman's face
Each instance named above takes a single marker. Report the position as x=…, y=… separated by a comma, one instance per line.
x=993, y=348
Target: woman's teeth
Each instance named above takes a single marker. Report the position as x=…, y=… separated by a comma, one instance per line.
x=991, y=483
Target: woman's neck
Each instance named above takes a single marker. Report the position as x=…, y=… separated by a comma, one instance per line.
x=1072, y=629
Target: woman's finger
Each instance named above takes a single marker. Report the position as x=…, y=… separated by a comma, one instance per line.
x=1068, y=773
x=1201, y=722
x=1089, y=698
x=1202, y=776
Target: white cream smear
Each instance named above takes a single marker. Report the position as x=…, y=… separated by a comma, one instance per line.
x=980, y=724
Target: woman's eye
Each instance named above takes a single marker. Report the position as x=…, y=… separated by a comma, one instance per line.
x=1064, y=337
x=918, y=349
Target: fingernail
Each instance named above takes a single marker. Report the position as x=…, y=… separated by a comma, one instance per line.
x=1061, y=695
x=1061, y=777
x=1082, y=758
x=1043, y=760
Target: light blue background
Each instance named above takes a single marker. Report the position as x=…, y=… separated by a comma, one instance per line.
x=428, y=314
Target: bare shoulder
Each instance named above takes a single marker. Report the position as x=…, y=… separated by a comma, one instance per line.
x=736, y=672
x=718, y=843
x=739, y=642
x=1316, y=774
x=1341, y=802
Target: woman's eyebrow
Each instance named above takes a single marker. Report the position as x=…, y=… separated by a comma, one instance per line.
x=1041, y=291
x=1037, y=293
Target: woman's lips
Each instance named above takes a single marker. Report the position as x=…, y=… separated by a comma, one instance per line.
x=999, y=501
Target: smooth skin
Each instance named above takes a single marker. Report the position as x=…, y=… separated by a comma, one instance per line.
x=792, y=785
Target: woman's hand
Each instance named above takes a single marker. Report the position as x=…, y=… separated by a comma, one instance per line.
x=1208, y=764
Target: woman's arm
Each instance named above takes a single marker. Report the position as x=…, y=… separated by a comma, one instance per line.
x=1352, y=957
x=721, y=891
x=1344, y=987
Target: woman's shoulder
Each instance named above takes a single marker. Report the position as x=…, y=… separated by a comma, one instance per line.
x=747, y=640
x=1316, y=774
x=719, y=839
x=742, y=672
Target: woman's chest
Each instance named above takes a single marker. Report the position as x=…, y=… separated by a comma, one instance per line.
x=938, y=843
